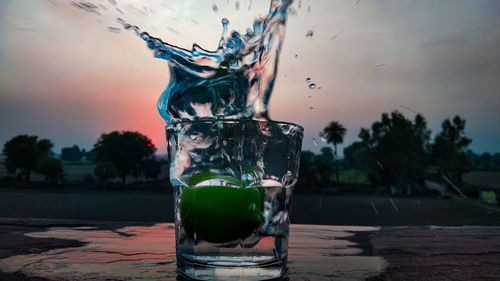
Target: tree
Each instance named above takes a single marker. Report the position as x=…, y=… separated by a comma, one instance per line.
x=51, y=168
x=334, y=134
x=496, y=160
x=486, y=161
x=72, y=154
x=89, y=155
x=323, y=166
x=23, y=153
x=307, y=170
x=151, y=168
x=448, y=150
x=105, y=171
x=126, y=150
x=397, y=151
x=355, y=156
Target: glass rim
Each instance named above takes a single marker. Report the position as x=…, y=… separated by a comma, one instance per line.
x=213, y=120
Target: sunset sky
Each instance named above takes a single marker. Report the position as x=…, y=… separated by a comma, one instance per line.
x=65, y=75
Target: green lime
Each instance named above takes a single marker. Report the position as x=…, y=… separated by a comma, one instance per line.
x=220, y=214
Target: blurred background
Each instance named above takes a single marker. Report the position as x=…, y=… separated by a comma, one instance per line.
x=401, y=125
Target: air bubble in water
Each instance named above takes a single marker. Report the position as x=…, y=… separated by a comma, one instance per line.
x=308, y=80
x=312, y=86
x=215, y=8
x=310, y=33
x=311, y=108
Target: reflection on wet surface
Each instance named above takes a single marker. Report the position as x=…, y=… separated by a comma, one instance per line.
x=148, y=253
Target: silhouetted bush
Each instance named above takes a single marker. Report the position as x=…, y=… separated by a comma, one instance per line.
x=51, y=168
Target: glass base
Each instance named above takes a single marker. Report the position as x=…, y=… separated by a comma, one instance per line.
x=212, y=268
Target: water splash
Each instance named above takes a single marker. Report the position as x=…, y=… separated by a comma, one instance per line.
x=234, y=81
x=322, y=137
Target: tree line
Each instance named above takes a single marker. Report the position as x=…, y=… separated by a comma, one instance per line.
x=396, y=153
x=117, y=154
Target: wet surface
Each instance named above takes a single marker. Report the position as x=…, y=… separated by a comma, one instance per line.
x=438, y=253
x=148, y=253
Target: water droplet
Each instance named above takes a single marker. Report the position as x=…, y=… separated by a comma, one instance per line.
x=310, y=33
x=312, y=86
x=311, y=108
x=145, y=36
x=287, y=179
x=308, y=80
x=215, y=8
x=315, y=142
x=296, y=56
x=322, y=137
x=114, y=29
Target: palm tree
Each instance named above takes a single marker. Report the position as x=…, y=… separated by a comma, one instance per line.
x=334, y=133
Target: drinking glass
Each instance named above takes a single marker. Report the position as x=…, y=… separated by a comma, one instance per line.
x=232, y=183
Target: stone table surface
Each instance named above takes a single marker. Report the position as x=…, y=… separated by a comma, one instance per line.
x=32, y=249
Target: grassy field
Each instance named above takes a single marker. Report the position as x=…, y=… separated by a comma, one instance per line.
x=483, y=179
x=306, y=208
x=80, y=172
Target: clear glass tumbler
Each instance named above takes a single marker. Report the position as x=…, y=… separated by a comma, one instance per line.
x=232, y=184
